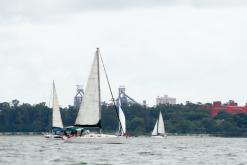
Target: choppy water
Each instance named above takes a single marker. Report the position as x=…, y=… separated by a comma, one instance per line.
x=34, y=150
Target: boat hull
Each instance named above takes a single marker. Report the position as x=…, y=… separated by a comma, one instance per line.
x=158, y=136
x=51, y=136
x=96, y=138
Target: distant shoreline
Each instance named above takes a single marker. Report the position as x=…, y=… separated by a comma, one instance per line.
x=169, y=134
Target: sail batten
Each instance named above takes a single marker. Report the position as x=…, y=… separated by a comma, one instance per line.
x=89, y=114
x=56, y=115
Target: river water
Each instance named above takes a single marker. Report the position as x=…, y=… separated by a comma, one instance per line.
x=181, y=150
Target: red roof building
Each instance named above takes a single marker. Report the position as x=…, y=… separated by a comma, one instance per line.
x=230, y=107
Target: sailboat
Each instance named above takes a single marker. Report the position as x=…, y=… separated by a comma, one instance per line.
x=159, y=128
x=57, y=124
x=122, y=121
x=89, y=114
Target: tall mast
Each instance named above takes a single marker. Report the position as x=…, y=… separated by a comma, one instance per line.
x=97, y=53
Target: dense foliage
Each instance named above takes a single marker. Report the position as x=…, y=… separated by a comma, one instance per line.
x=180, y=119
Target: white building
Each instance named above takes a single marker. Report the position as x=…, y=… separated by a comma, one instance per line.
x=165, y=100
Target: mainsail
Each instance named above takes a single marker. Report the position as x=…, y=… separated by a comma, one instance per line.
x=159, y=128
x=89, y=114
x=122, y=124
x=56, y=115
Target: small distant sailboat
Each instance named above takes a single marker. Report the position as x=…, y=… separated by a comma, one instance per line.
x=89, y=115
x=122, y=120
x=57, y=124
x=159, y=128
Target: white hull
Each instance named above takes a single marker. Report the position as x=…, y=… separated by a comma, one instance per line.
x=96, y=138
x=51, y=136
x=159, y=136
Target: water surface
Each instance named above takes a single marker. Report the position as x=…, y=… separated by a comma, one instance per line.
x=181, y=150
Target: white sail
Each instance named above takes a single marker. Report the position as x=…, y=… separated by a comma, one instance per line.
x=121, y=119
x=155, y=130
x=161, y=126
x=56, y=115
x=89, y=112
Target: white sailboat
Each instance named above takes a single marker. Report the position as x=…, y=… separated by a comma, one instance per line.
x=159, y=128
x=122, y=121
x=89, y=115
x=57, y=124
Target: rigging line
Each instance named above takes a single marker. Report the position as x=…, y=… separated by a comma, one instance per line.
x=110, y=89
x=50, y=96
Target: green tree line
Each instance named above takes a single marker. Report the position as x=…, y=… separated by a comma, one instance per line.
x=178, y=119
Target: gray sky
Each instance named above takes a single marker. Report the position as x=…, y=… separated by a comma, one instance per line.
x=189, y=49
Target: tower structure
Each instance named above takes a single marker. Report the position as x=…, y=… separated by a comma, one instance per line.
x=124, y=98
x=79, y=96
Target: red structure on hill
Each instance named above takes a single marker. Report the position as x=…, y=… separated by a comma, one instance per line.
x=230, y=107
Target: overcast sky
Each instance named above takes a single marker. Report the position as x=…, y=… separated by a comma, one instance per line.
x=189, y=49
